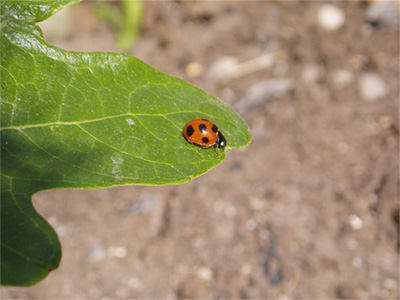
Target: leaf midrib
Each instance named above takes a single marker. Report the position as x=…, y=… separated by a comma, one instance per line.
x=27, y=126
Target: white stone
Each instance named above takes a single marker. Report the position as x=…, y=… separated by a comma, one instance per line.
x=372, y=87
x=205, y=273
x=330, y=17
x=355, y=222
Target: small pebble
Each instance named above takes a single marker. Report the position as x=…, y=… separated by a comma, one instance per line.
x=342, y=78
x=194, y=69
x=330, y=17
x=383, y=13
x=119, y=252
x=205, y=273
x=355, y=222
x=372, y=87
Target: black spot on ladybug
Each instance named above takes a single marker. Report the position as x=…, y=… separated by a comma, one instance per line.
x=189, y=130
x=203, y=128
x=221, y=140
x=205, y=120
x=214, y=128
x=205, y=140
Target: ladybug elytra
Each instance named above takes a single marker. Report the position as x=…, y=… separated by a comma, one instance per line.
x=205, y=134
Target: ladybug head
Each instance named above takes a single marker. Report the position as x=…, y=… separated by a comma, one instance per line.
x=221, y=141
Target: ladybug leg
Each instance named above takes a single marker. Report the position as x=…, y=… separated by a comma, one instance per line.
x=216, y=150
x=200, y=149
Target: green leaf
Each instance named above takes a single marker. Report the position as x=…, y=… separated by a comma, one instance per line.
x=86, y=120
x=33, y=10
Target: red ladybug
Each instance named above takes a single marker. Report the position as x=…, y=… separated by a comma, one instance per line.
x=205, y=134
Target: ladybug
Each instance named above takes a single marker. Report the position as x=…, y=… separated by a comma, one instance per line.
x=205, y=134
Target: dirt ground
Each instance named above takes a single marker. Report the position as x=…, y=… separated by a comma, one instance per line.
x=308, y=210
